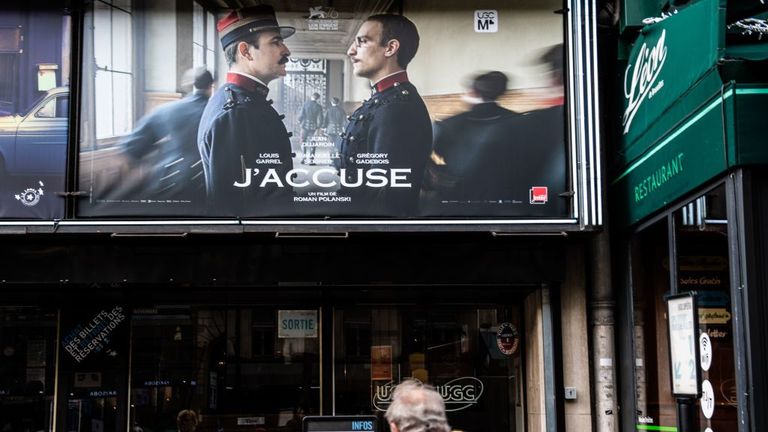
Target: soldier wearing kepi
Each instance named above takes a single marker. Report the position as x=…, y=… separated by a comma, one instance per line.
x=392, y=129
x=245, y=148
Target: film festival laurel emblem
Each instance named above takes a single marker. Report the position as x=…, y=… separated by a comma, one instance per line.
x=322, y=18
x=458, y=394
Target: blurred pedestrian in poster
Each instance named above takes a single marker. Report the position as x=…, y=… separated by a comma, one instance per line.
x=166, y=141
x=472, y=151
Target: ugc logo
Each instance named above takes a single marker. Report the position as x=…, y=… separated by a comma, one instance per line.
x=458, y=394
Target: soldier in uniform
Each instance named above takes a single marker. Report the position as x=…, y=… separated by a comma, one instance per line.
x=310, y=118
x=335, y=118
x=245, y=148
x=391, y=130
x=166, y=139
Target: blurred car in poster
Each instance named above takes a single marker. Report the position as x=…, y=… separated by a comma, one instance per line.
x=35, y=142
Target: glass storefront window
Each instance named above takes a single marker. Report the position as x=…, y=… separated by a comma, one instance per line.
x=228, y=365
x=655, y=403
x=27, y=368
x=702, y=265
x=452, y=348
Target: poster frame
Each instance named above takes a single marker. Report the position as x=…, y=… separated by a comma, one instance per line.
x=583, y=169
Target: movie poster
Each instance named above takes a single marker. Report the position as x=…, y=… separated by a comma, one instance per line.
x=34, y=109
x=276, y=111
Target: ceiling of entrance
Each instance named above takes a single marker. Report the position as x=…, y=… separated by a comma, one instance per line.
x=307, y=42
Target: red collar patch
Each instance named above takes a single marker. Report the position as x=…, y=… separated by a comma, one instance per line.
x=247, y=83
x=390, y=81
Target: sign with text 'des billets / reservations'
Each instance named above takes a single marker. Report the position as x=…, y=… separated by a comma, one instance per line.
x=95, y=335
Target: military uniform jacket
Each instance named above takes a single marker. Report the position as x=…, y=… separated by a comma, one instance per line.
x=311, y=115
x=335, y=120
x=241, y=140
x=393, y=122
x=167, y=138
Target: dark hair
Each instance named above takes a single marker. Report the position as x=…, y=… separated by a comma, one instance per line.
x=315, y=96
x=553, y=58
x=489, y=86
x=203, y=78
x=230, y=52
x=400, y=28
x=335, y=100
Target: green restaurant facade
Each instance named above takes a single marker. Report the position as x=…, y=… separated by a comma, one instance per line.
x=689, y=202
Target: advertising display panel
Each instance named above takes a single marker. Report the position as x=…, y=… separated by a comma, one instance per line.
x=351, y=111
x=34, y=108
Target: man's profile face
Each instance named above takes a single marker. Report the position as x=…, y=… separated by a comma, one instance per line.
x=268, y=61
x=366, y=53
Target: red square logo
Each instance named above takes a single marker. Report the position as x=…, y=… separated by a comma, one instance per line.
x=539, y=195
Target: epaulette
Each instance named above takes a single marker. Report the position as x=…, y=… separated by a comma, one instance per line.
x=397, y=96
x=233, y=100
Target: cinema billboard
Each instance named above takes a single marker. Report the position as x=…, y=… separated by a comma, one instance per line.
x=449, y=112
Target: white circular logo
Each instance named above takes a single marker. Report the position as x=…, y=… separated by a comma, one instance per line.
x=707, y=399
x=31, y=196
x=705, y=351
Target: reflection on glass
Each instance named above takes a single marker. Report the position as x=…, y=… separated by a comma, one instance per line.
x=703, y=267
x=455, y=350
x=227, y=365
x=97, y=414
x=27, y=367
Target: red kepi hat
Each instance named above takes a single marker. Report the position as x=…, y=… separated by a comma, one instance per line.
x=240, y=23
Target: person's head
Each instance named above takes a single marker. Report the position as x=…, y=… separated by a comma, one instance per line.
x=553, y=59
x=334, y=101
x=199, y=78
x=315, y=97
x=253, y=42
x=186, y=421
x=489, y=86
x=416, y=407
x=385, y=44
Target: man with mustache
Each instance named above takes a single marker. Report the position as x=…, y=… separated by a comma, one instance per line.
x=241, y=137
x=392, y=129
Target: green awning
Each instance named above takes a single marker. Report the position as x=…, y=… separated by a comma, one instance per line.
x=754, y=52
x=667, y=59
x=726, y=131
